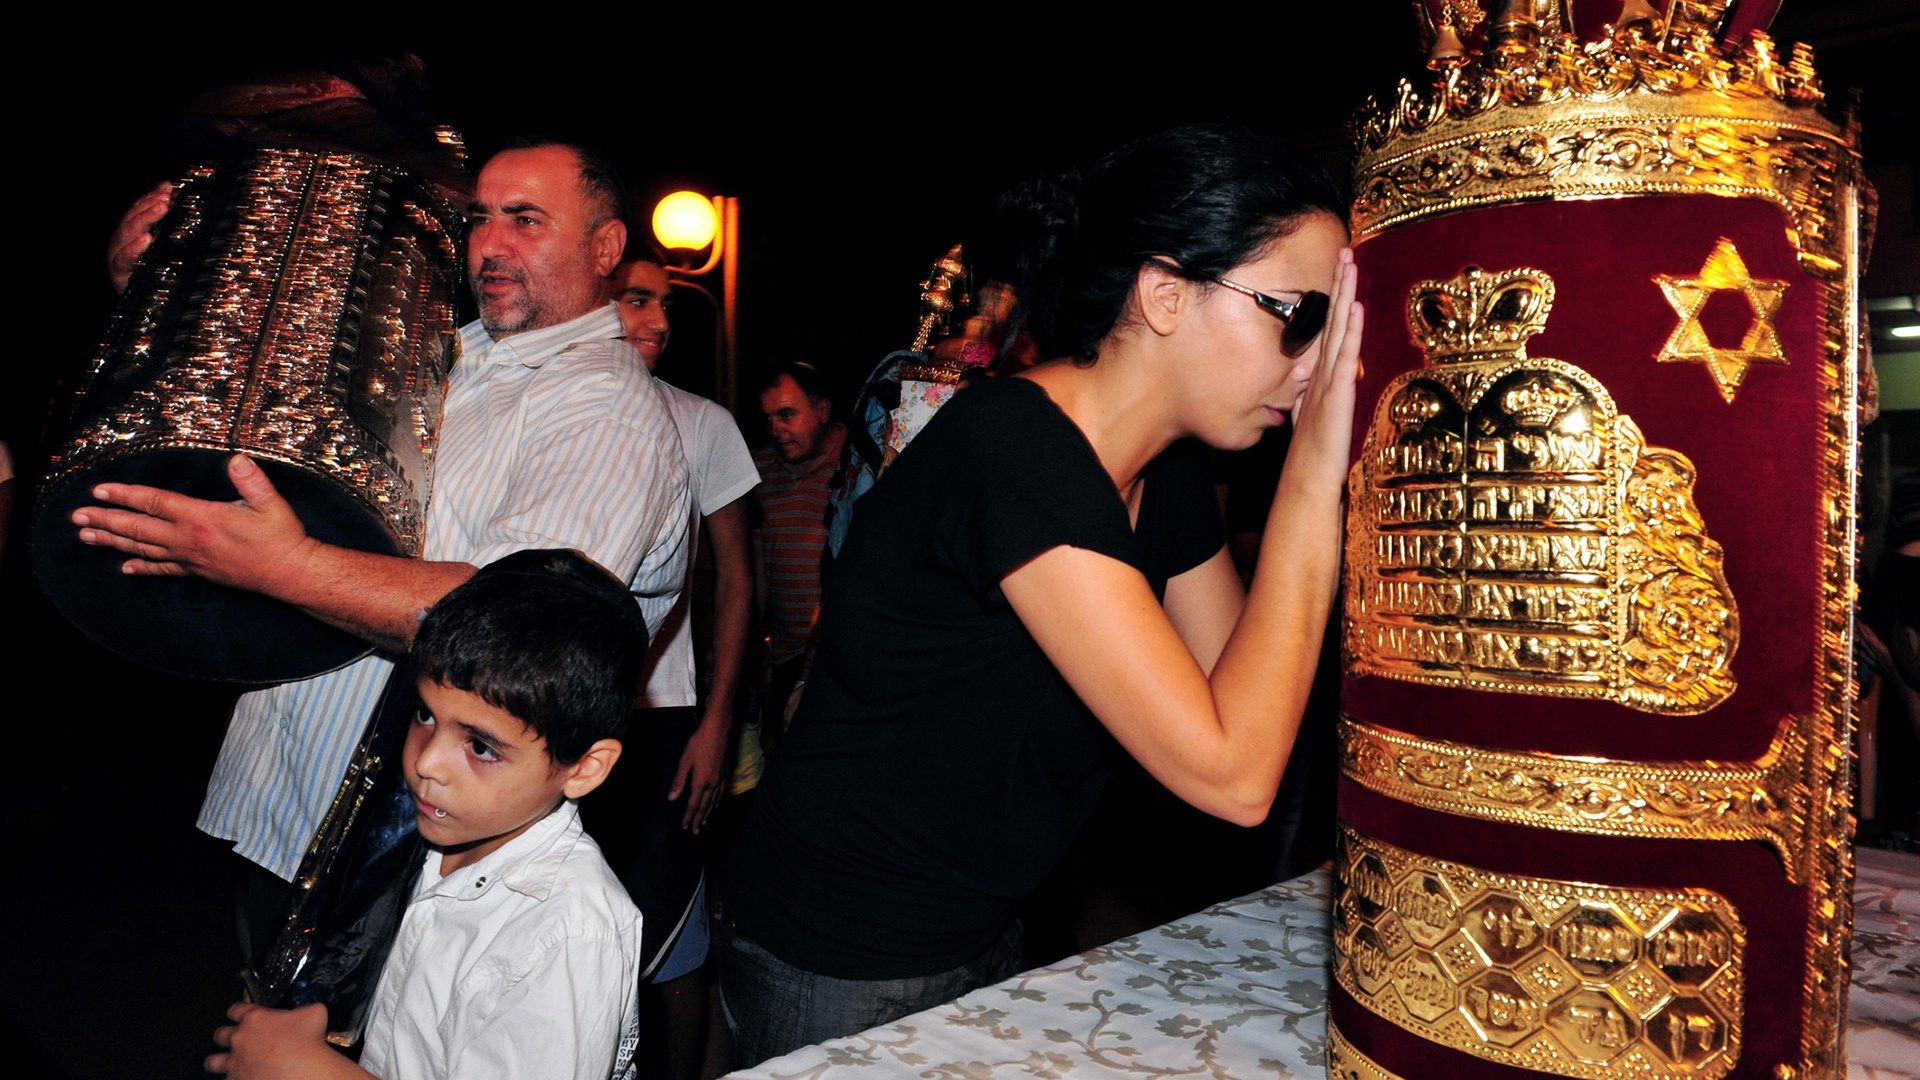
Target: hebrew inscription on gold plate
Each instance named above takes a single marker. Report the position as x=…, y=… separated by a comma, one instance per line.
x=1509, y=529
x=1564, y=977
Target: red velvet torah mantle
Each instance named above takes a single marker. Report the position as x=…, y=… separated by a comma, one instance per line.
x=1597, y=599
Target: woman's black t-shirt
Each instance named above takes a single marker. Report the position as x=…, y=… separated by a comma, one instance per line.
x=938, y=764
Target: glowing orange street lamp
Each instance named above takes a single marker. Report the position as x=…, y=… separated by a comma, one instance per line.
x=686, y=220
x=690, y=221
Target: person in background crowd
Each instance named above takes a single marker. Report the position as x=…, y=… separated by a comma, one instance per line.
x=804, y=445
x=648, y=820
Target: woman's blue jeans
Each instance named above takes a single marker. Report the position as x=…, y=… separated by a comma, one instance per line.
x=772, y=1008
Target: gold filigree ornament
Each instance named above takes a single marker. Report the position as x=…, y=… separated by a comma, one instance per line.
x=1825, y=802
x=1508, y=529
x=1724, y=271
x=1688, y=800
x=1657, y=108
x=1570, y=978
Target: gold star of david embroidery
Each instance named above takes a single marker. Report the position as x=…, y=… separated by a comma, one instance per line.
x=1688, y=342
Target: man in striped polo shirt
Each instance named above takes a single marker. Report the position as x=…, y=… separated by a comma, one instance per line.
x=792, y=503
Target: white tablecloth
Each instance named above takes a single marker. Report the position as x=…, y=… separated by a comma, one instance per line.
x=1238, y=992
x=1883, y=1011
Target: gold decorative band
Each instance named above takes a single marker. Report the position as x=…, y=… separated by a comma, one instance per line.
x=1693, y=800
x=1827, y=805
x=1346, y=1063
x=1563, y=977
x=949, y=374
x=1649, y=111
x=1794, y=167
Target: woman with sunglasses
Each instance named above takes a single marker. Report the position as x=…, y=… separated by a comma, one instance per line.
x=1034, y=579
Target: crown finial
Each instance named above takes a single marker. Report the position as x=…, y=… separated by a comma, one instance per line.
x=1696, y=17
x=1512, y=31
x=1520, y=105
x=1638, y=18
x=1448, y=50
x=937, y=297
x=1479, y=317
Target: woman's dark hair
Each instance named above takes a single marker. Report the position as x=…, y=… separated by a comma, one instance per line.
x=550, y=637
x=1201, y=198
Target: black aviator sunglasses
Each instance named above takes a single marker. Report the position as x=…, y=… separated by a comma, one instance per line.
x=1305, y=318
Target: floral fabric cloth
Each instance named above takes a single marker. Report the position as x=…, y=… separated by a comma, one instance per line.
x=919, y=400
x=1238, y=992
x=1883, y=1010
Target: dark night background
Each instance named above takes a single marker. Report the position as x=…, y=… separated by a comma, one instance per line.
x=860, y=151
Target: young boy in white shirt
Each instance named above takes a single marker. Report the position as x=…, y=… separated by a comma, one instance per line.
x=519, y=953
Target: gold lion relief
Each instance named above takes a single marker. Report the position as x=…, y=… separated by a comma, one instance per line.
x=1508, y=529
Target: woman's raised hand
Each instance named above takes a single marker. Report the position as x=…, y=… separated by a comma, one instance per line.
x=1323, y=414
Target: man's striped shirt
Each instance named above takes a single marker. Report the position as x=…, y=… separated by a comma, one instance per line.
x=793, y=531
x=551, y=438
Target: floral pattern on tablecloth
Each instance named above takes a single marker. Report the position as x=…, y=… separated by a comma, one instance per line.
x=1238, y=992
x=1883, y=1007
x=1178, y=1000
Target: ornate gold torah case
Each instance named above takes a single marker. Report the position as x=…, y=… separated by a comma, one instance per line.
x=297, y=305
x=1597, y=598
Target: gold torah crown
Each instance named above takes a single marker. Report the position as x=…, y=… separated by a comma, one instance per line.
x=1656, y=107
x=1479, y=316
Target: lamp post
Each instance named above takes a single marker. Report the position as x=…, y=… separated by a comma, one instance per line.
x=689, y=221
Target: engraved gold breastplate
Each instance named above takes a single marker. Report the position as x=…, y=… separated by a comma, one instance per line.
x=1568, y=978
x=1510, y=529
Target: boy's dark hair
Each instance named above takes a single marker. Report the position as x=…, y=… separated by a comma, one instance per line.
x=548, y=636
x=640, y=249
